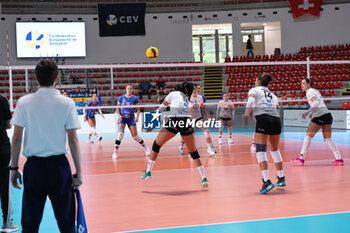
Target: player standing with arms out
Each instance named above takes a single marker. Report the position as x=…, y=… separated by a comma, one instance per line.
x=226, y=113
x=89, y=116
x=320, y=118
x=126, y=116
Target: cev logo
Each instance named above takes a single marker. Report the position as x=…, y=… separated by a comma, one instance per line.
x=34, y=40
x=112, y=20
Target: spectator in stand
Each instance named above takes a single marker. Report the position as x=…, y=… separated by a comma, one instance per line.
x=145, y=88
x=249, y=47
x=161, y=88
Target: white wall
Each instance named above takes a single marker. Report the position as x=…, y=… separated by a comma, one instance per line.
x=173, y=36
x=272, y=38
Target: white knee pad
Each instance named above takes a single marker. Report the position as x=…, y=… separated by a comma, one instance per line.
x=276, y=156
x=120, y=133
x=93, y=130
x=261, y=156
x=206, y=133
x=137, y=138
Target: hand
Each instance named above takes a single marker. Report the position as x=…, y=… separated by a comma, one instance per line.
x=120, y=118
x=85, y=119
x=136, y=119
x=245, y=117
x=304, y=115
x=310, y=115
x=148, y=130
x=77, y=180
x=16, y=175
x=103, y=116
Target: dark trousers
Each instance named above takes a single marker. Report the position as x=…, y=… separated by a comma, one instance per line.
x=145, y=93
x=50, y=177
x=5, y=156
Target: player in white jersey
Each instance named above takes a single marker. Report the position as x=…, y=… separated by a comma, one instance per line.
x=320, y=118
x=196, y=105
x=177, y=122
x=226, y=113
x=268, y=128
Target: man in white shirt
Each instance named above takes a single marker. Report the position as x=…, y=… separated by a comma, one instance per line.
x=46, y=117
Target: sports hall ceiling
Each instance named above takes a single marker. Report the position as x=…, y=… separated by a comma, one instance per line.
x=152, y=6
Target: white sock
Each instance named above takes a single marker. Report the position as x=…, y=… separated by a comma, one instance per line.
x=265, y=174
x=150, y=165
x=182, y=144
x=306, y=145
x=280, y=173
x=333, y=147
x=201, y=171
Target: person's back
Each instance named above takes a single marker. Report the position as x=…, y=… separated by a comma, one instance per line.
x=46, y=116
x=45, y=113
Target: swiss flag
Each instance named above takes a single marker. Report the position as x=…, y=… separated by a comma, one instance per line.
x=300, y=7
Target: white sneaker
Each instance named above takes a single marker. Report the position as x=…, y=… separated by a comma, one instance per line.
x=114, y=156
x=230, y=140
x=9, y=227
x=90, y=140
x=220, y=141
x=253, y=148
x=211, y=151
x=181, y=151
x=147, y=151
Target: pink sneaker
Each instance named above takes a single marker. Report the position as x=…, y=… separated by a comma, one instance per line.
x=298, y=161
x=338, y=162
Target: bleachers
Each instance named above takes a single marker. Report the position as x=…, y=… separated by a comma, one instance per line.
x=327, y=77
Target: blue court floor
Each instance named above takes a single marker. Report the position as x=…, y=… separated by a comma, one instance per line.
x=325, y=223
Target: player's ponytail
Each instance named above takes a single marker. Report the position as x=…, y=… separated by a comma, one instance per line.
x=187, y=88
x=309, y=82
x=265, y=79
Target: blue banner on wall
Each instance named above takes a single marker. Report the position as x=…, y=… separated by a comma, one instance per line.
x=121, y=19
x=81, y=96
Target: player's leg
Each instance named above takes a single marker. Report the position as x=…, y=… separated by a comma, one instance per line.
x=92, y=126
x=190, y=142
x=327, y=135
x=133, y=131
x=310, y=133
x=118, y=140
x=229, y=129
x=163, y=136
x=221, y=129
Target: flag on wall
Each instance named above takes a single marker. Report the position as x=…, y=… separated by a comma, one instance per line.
x=121, y=19
x=301, y=7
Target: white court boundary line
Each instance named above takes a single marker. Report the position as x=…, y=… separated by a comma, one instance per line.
x=246, y=221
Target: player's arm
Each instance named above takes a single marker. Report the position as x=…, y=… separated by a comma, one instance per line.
x=117, y=111
x=313, y=108
x=100, y=112
x=75, y=151
x=163, y=106
x=15, y=150
x=249, y=106
x=137, y=113
x=204, y=109
x=218, y=111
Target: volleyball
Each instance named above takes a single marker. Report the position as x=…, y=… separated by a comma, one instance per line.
x=152, y=52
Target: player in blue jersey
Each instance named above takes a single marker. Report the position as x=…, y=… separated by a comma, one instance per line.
x=126, y=116
x=89, y=116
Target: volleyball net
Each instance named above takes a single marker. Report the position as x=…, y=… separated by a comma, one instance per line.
x=109, y=81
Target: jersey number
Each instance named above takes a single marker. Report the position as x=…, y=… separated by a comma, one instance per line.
x=267, y=94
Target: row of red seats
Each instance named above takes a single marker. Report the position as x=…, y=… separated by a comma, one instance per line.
x=325, y=48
